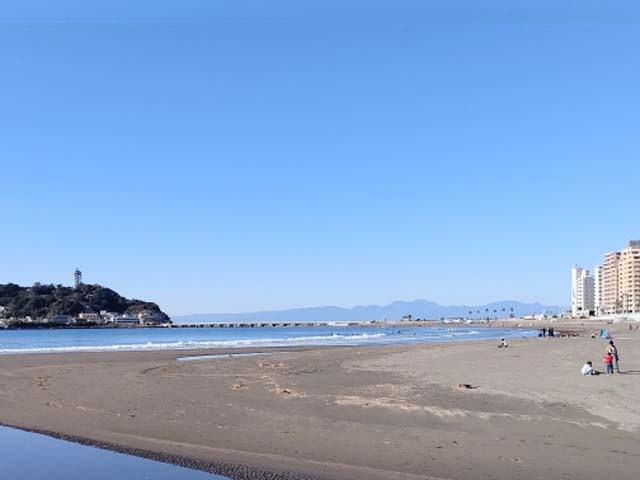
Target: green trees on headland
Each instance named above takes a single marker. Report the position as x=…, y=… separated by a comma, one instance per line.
x=45, y=301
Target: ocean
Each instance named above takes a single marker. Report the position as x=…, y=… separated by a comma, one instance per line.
x=141, y=339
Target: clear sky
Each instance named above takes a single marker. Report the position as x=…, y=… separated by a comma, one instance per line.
x=240, y=155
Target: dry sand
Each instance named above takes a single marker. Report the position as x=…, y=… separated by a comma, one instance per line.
x=349, y=413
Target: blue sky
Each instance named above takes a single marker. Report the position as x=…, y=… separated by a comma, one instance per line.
x=235, y=156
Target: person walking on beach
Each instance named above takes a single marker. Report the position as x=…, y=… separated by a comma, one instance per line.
x=608, y=363
x=613, y=351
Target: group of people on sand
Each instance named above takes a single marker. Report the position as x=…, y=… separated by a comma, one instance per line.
x=547, y=332
x=611, y=359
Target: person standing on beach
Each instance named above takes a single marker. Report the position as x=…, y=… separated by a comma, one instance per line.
x=613, y=351
x=608, y=363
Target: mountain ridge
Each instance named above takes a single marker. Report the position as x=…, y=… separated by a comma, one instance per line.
x=393, y=311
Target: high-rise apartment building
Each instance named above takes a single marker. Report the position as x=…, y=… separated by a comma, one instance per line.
x=597, y=289
x=629, y=279
x=617, y=281
x=582, y=292
x=609, y=289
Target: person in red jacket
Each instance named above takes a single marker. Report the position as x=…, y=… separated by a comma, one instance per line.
x=608, y=363
x=613, y=351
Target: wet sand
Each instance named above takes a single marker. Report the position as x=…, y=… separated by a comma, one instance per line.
x=350, y=412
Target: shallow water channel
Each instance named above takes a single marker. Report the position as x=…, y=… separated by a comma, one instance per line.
x=30, y=456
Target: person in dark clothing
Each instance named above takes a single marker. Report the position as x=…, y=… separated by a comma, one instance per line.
x=613, y=351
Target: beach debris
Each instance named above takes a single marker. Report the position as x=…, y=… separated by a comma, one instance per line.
x=510, y=459
x=42, y=381
x=239, y=386
x=271, y=365
x=467, y=386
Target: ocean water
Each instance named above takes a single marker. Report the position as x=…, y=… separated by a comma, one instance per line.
x=140, y=339
x=60, y=460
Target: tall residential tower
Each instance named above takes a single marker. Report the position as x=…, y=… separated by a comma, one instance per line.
x=629, y=279
x=597, y=287
x=610, y=289
x=582, y=292
x=616, y=282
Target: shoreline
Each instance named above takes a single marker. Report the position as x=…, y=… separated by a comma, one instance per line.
x=332, y=413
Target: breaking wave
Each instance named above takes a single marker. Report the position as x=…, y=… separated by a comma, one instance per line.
x=200, y=344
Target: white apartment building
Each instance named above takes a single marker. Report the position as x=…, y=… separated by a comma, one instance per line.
x=582, y=292
x=597, y=289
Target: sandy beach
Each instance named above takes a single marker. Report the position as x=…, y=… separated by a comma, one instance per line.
x=349, y=412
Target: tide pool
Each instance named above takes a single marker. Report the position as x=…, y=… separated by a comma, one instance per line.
x=30, y=456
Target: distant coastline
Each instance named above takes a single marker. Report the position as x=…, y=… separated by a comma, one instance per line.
x=396, y=311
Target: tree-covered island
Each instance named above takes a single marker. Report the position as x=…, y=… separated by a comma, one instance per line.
x=49, y=306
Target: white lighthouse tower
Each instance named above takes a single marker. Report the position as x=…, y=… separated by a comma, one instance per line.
x=77, y=278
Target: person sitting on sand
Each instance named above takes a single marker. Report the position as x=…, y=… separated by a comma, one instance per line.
x=587, y=369
x=503, y=343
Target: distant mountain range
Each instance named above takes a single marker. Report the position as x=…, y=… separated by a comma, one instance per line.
x=394, y=311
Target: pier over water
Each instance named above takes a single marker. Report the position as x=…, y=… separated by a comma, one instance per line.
x=268, y=324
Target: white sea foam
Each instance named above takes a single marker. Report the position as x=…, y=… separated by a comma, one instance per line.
x=188, y=345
